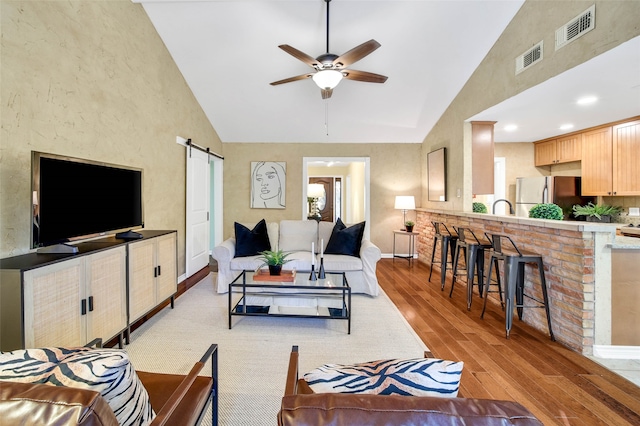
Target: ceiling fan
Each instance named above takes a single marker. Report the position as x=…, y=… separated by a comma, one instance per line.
x=330, y=69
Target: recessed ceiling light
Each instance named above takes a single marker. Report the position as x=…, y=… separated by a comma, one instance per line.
x=510, y=127
x=587, y=100
x=566, y=127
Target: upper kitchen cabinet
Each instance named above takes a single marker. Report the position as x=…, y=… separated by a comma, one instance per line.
x=557, y=151
x=610, y=160
x=626, y=158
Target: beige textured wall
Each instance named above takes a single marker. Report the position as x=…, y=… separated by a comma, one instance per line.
x=494, y=80
x=395, y=170
x=92, y=79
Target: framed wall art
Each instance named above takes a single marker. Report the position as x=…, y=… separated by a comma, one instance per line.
x=268, y=184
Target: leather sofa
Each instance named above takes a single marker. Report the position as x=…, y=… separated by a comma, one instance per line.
x=296, y=236
x=302, y=407
x=176, y=399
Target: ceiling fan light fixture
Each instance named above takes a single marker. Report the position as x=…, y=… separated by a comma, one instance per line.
x=327, y=79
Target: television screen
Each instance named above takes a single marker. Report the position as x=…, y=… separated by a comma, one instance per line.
x=75, y=198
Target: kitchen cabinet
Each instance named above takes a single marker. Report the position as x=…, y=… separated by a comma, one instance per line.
x=626, y=159
x=65, y=303
x=610, y=159
x=152, y=274
x=557, y=151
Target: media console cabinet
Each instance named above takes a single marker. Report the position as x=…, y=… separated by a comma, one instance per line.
x=71, y=299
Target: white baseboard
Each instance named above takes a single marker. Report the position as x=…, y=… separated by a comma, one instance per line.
x=616, y=352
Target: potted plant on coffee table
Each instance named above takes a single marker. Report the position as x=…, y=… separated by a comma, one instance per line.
x=274, y=259
x=596, y=212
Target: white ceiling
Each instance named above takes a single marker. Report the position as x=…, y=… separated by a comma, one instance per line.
x=612, y=77
x=228, y=54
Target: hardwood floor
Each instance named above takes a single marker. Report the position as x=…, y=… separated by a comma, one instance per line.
x=558, y=385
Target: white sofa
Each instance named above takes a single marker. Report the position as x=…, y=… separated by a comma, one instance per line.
x=296, y=236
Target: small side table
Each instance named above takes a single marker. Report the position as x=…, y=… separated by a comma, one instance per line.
x=412, y=236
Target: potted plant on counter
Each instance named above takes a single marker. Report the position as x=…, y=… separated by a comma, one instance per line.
x=479, y=207
x=408, y=225
x=546, y=211
x=596, y=212
x=275, y=260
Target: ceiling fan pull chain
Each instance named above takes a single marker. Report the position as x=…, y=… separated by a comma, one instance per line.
x=326, y=116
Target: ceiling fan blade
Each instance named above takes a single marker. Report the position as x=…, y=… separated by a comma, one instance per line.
x=326, y=93
x=290, y=79
x=356, y=54
x=312, y=62
x=365, y=76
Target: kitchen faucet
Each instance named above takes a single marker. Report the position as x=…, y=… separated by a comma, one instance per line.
x=493, y=208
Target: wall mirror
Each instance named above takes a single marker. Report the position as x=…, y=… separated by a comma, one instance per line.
x=437, y=175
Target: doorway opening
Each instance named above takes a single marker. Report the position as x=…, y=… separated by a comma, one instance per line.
x=348, y=179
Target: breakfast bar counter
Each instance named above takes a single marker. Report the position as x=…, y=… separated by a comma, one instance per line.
x=578, y=269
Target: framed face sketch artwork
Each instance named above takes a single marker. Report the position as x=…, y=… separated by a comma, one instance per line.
x=268, y=184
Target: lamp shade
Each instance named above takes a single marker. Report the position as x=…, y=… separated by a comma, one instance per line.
x=327, y=79
x=405, y=202
x=315, y=190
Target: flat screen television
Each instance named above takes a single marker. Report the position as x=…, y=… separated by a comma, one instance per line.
x=74, y=199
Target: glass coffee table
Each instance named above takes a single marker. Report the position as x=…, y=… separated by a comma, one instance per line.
x=292, y=294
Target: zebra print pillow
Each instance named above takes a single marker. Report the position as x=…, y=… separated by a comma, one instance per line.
x=416, y=377
x=107, y=371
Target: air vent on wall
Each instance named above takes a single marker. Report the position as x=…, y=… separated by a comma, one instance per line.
x=576, y=28
x=529, y=57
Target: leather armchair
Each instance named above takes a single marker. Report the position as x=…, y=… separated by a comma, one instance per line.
x=176, y=399
x=301, y=407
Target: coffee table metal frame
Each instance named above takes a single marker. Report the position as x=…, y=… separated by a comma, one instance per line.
x=244, y=285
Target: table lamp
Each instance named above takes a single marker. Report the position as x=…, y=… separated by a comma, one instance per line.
x=314, y=192
x=404, y=203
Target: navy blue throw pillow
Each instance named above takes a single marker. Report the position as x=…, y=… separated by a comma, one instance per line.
x=250, y=242
x=345, y=240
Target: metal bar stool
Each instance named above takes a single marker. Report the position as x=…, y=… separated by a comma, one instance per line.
x=474, y=262
x=447, y=239
x=514, y=274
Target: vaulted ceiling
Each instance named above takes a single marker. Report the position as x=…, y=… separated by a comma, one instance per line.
x=228, y=53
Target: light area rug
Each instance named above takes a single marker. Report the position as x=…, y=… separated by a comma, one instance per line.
x=254, y=354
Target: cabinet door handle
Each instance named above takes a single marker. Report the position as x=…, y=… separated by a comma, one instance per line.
x=83, y=307
x=155, y=272
x=159, y=271
x=90, y=303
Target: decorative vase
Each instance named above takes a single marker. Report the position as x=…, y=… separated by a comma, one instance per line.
x=275, y=269
x=408, y=228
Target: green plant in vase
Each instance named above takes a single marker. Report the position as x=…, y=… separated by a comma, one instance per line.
x=408, y=225
x=596, y=212
x=274, y=260
x=546, y=211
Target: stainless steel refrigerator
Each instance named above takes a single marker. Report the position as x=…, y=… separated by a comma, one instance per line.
x=564, y=191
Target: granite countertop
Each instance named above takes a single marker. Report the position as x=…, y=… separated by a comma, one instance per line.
x=617, y=242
